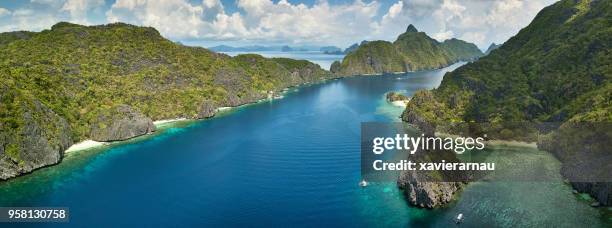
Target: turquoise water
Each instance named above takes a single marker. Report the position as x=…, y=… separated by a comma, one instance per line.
x=288, y=162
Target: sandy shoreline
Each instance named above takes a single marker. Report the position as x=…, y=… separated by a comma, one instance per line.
x=221, y=109
x=160, y=122
x=90, y=144
x=84, y=145
x=402, y=103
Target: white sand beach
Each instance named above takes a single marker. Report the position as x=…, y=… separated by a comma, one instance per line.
x=160, y=122
x=87, y=144
x=220, y=109
x=400, y=103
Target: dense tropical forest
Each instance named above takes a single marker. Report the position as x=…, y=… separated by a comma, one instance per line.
x=556, y=70
x=67, y=84
x=412, y=51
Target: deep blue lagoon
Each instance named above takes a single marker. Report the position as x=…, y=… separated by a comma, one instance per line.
x=288, y=162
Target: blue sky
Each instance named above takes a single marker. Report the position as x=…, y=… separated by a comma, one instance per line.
x=291, y=22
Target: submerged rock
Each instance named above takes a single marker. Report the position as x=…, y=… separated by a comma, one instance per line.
x=121, y=123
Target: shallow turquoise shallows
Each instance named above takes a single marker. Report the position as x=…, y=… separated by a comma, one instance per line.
x=288, y=162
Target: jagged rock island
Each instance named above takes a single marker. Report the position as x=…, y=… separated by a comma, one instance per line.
x=412, y=51
x=395, y=96
x=109, y=82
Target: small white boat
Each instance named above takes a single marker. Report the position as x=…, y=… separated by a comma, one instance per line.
x=363, y=183
x=459, y=218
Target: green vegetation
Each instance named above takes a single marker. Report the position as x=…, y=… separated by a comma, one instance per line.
x=553, y=70
x=492, y=47
x=557, y=69
x=8, y=37
x=411, y=51
x=78, y=73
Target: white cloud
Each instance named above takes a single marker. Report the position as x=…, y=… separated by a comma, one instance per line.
x=394, y=11
x=443, y=35
x=4, y=12
x=283, y=22
x=480, y=22
x=78, y=9
x=47, y=2
x=260, y=20
x=26, y=19
x=36, y=15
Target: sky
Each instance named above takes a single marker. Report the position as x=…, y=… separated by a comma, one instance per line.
x=285, y=22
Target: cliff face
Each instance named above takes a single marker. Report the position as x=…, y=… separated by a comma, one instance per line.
x=120, y=123
x=396, y=96
x=109, y=82
x=427, y=189
x=423, y=193
x=35, y=138
x=557, y=69
x=584, y=151
x=412, y=51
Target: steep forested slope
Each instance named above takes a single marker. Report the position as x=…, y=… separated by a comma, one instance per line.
x=557, y=69
x=412, y=51
x=74, y=82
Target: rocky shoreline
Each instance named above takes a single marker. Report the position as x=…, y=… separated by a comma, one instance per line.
x=123, y=123
x=581, y=147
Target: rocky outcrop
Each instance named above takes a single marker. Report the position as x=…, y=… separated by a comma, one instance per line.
x=600, y=191
x=432, y=188
x=395, y=96
x=335, y=67
x=40, y=142
x=207, y=109
x=413, y=117
x=120, y=123
x=422, y=192
x=583, y=149
x=422, y=111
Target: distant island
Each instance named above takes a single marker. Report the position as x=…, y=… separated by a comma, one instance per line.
x=283, y=48
x=333, y=50
x=412, y=51
x=492, y=47
x=109, y=82
x=556, y=70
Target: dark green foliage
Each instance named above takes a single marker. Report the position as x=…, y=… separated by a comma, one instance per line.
x=411, y=51
x=8, y=37
x=79, y=72
x=361, y=60
x=557, y=68
x=492, y=47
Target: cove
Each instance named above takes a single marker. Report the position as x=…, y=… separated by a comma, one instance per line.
x=288, y=162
